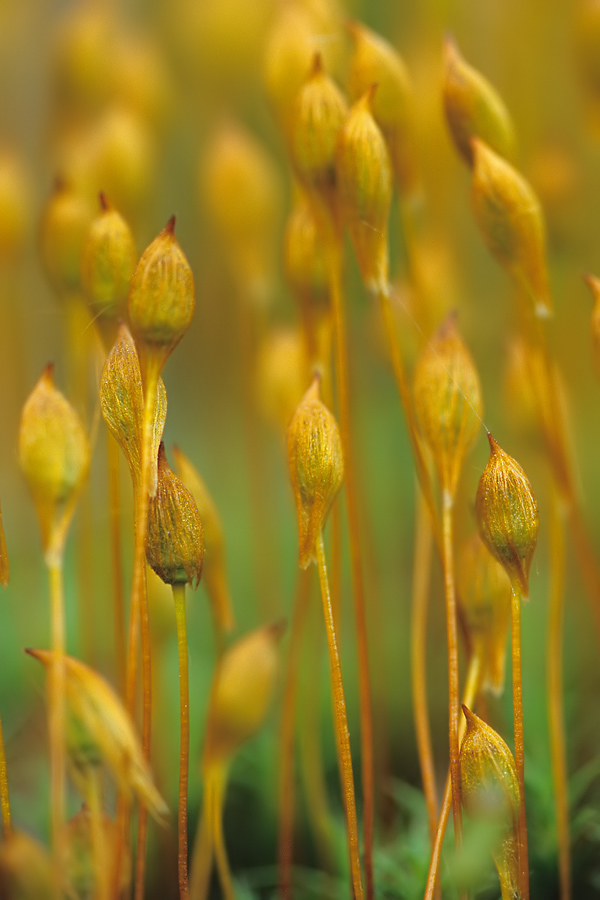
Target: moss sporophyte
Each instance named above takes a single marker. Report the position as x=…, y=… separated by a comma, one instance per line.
x=364, y=218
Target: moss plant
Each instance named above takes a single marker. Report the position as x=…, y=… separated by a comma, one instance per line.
x=339, y=192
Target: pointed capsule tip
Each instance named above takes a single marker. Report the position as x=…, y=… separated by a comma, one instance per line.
x=317, y=65
x=469, y=716
x=170, y=226
x=48, y=373
x=278, y=628
x=370, y=93
x=593, y=284
x=494, y=445
x=104, y=204
x=353, y=28
x=450, y=45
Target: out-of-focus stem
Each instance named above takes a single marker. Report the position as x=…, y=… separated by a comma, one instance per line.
x=288, y=721
x=418, y=644
x=184, y=745
x=366, y=713
x=407, y=405
x=555, y=430
x=202, y=856
x=4, y=795
x=518, y=730
x=341, y=724
x=221, y=859
x=57, y=704
x=116, y=555
x=469, y=698
x=555, y=696
x=453, y=686
x=94, y=800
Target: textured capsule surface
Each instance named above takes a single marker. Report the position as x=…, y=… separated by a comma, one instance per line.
x=507, y=515
x=161, y=295
x=316, y=465
x=175, y=540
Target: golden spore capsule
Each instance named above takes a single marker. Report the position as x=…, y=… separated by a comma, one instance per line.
x=511, y=222
x=316, y=465
x=474, y=108
x=242, y=691
x=319, y=112
x=507, y=515
x=54, y=452
x=364, y=178
x=448, y=401
x=108, y=263
x=161, y=295
x=175, y=540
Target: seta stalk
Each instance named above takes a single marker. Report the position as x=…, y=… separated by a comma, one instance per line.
x=365, y=703
x=469, y=698
x=340, y=722
x=515, y=632
x=184, y=741
x=556, y=716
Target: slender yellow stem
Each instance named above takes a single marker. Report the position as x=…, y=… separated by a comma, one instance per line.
x=288, y=722
x=116, y=554
x=366, y=713
x=555, y=697
x=99, y=849
x=418, y=644
x=423, y=473
x=453, y=686
x=469, y=698
x=341, y=724
x=518, y=730
x=57, y=704
x=4, y=796
x=184, y=746
x=221, y=858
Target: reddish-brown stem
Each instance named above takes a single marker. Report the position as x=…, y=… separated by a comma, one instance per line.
x=555, y=696
x=366, y=713
x=453, y=686
x=418, y=644
x=469, y=698
x=311, y=757
x=116, y=555
x=341, y=724
x=184, y=745
x=288, y=722
x=518, y=730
